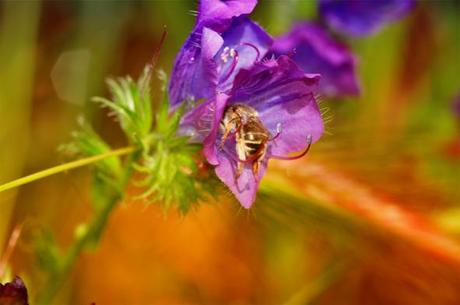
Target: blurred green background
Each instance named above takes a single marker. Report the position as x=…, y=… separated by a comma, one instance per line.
x=371, y=216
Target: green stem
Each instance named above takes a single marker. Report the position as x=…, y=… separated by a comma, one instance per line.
x=95, y=227
x=88, y=238
x=64, y=167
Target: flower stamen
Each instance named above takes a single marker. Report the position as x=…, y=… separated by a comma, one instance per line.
x=278, y=132
x=254, y=47
x=232, y=53
x=309, y=140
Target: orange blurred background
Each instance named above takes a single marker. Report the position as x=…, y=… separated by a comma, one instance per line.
x=370, y=216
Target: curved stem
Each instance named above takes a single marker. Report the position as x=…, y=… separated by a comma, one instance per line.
x=64, y=167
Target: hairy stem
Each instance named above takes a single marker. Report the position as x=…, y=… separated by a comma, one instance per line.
x=64, y=167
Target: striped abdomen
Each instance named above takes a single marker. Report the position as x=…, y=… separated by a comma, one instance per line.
x=252, y=139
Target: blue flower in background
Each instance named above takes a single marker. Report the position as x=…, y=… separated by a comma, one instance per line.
x=362, y=17
x=456, y=106
x=315, y=51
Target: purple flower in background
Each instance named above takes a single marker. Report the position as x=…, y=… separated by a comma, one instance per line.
x=456, y=106
x=278, y=115
x=14, y=293
x=362, y=17
x=315, y=51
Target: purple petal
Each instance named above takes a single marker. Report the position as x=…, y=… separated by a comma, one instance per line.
x=198, y=122
x=217, y=12
x=249, y=42
x=315, y=51
x=298, y=118
x=209, y=143
x=201, y=123
x=284, y=96
x=362, y=17
x=194, y=74
x=456, y=106
x=245, y=187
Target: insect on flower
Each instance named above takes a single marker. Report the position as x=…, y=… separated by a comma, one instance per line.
x=269, y=112
x=247, y=108
x=252, y=137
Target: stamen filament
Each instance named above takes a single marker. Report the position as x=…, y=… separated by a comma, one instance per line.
x=64, y=167
x=278, y=132
x=232, y=67
x=254, y=47
x=309, y=140
x=252, y=158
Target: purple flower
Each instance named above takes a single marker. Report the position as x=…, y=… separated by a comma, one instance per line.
x=456, y=106
x=315, y=51
x=252, y=108
x=14, y=293
x=362, y=17
x=282, y=96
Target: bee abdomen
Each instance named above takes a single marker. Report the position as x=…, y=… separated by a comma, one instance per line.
x=252, y=146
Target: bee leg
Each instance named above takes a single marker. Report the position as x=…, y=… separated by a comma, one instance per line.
x=255, y=169
x=225, y=136
x=256, y=166
x=227, y=130
x=239, y=169
x=240, y=152
x=257, y=162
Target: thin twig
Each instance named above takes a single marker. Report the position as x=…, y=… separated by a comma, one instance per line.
x=14, y=237
x=64, y=167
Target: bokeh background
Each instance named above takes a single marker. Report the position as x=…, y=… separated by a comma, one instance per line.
x=370, y=216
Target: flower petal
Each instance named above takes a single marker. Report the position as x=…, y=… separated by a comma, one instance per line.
x=194, y=74
x=245, y=187
x=217, y=12
x=362, y=18
x=298, y=118
x=209, y=143
x=251, y=43
x=284, y=96
x=315, y=51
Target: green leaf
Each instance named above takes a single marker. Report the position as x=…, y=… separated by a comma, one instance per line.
x=132, y=106
x=87, y=143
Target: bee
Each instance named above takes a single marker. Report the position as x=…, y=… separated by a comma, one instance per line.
x=251, y=136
